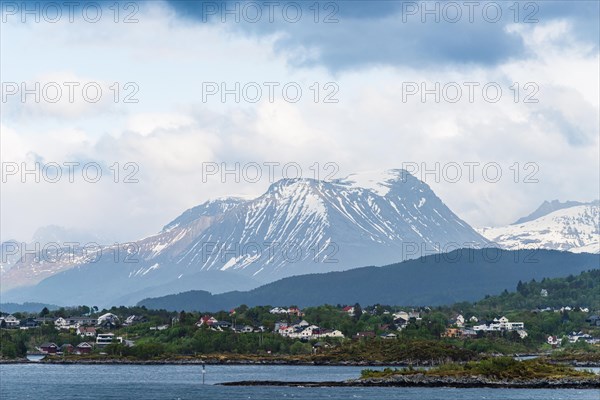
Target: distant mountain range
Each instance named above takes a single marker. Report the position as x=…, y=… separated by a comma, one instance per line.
x=298, y=226
x=461, y=275
x=571, y=226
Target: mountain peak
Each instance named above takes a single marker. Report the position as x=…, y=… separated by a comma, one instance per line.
x=209, y=208
x=548, y=207
x=378, y=181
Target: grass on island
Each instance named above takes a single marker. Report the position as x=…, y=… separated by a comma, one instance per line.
x=494, y=368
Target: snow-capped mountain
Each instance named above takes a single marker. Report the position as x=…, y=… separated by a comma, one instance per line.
x=570, y=226
x=297, y=226
x=546, y=208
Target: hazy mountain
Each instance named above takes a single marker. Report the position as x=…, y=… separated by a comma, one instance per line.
x=298, y=226
x=461, y=275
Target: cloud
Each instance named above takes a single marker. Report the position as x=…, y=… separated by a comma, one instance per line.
x=171, y=132
x=415, y=33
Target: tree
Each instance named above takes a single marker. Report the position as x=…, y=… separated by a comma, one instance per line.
x=357, y=312
x=44, y=312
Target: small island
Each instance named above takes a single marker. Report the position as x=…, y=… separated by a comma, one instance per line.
x=496, y=372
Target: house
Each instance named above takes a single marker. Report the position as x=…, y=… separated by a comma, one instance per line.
x=246, y=329
x=459, y=321
x=295, y=311
x=103, y=339
x=84, y=348
x=29, y=323
x=401, y=318
x=48, y=347
x=61, y=323
x=544, y=293
x=469, y=333
x=575, y=336
x=452, y=333
x=332, y=333
x=108, y=320
x=206, y=320
x=522, y=333
x=86, y=331
x=220, y=325
x=553, y=341
x=135, y=319
x=285, y=330
x=414, y=314
x=349, y=310
x=593, y=320
x=10, y=321
x=159, y=327
x=499, y=325
x=474, y=319
x=75, y=322
x=388, y=336
x=278, y=310
x=302, y=324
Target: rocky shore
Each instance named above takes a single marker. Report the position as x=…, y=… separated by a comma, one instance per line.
x=421, y=380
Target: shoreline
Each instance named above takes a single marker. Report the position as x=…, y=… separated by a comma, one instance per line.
x=292, y=362
x=420, y=380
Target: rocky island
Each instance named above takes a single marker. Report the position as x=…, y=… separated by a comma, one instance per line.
x=500, y=372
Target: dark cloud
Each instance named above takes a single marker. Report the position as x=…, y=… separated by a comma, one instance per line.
x=392, y=32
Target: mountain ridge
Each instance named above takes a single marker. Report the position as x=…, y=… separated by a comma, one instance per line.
x=461, y=275
x=297, y=226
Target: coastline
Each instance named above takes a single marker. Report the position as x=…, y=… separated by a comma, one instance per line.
x=234, y=361
x=420, y=380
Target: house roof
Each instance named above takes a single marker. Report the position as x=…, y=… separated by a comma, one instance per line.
x=48, y=344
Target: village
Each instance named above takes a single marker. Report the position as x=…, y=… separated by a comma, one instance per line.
x=95, y=333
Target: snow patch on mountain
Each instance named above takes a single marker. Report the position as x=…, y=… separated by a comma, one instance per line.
x=575, y=229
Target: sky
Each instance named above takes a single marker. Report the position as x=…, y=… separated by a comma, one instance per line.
x=145, y=109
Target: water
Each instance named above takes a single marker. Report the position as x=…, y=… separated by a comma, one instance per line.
x=149, y=382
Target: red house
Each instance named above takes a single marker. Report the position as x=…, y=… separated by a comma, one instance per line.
x=50, y=348
x=206, y=320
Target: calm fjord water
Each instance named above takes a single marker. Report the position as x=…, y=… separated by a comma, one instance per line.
x=149, y=382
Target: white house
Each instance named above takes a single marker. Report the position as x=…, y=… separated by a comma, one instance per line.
x=501, y=324
x=553, y=341
x=61, y=323
x=333, y=334
x=11, y=321
x=459, y=321
x=108, y=318
x=104, y=339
